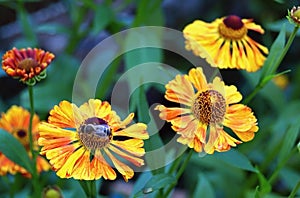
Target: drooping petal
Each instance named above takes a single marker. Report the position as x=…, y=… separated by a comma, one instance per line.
x=101, y=168
x=66, y=170
x=134, y=160
x=241, y=120
x=180, y=90
x=125, y=170
x=224, y=43
x=132, y=146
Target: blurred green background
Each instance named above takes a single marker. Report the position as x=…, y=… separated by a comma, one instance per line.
x=70, y=29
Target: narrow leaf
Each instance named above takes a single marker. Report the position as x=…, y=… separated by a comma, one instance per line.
x=14, y=150
x=274, y=54
x=289, y=140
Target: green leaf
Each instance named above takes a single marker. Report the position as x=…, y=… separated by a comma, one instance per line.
x=155, y=153
x=236, y=159
x=264, y=185
x=289, y=140
x=14, y=150
x=103, y=16
x=142, y=47
x=144, y=18
x=52, y=28
x=203, y=188
x=155, y=183
x=140, y=183
x=274, y=55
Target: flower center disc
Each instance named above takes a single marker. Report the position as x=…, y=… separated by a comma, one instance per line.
x=95, y=133
x=232, y=28
x=209, y=107
x=27, y=64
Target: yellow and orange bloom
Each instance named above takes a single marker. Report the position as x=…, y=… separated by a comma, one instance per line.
x=205, y=108
x=16, y=122
x=28, y=65
x=225, y=43
x=85, y=142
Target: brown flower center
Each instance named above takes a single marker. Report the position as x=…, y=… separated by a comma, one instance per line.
x=95, y=133
x=27, y=64
x=21, y=133
x=209, y=107
x=232, y=28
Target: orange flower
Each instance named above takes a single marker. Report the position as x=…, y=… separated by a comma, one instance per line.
x=81, y=142
x=207, y=107
x=225, y=43
x=16, y=122
x=26, y=64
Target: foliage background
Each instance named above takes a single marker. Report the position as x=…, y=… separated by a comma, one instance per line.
x=70, y=29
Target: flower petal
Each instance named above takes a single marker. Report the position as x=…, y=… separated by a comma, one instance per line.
x=180, y=90
x=241, y=120
x=125, y=170
x=101, y=168
x=198, y=79
x=64, y=115
x=137, y=130
x=232, y=95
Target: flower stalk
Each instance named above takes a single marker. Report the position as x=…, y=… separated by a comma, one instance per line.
x=35, y=179
x=179, y=172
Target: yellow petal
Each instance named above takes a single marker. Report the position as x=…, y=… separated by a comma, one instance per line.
x=135, y=160
x=232, y=95
x=64, y=115
x=132, y=146
x=137, y=130
x=198, y=79
x=171, y=113
x=180, y=90
x=125, y=170
x=68, y=167
x=101, y=168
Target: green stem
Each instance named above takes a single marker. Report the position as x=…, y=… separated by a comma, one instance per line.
x=281, y=165
x=263, y=81
x=89, y=187
x=35, y=179
x=295, y=190
x=179, y=173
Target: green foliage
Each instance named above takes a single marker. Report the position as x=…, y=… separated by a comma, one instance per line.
x=267, y=166
x=156, y=182
x=14, y=150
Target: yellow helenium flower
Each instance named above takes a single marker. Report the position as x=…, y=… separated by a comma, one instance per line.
x=225, y=43
x=27, y=64
x=207, y=107
x=16, y=122
x=82, y=142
